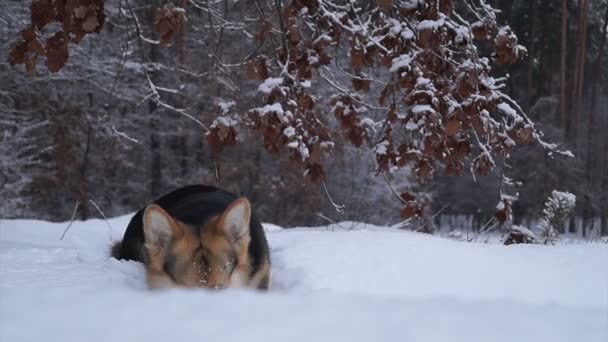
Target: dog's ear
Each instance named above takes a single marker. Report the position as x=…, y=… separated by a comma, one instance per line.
x=159, y=227
x=234, y=222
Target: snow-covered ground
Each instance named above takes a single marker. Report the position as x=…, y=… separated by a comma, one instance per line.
x=366, y=284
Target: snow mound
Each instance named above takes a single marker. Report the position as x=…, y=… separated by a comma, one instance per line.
x=345, y=282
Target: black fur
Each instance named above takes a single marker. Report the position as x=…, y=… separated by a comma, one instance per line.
x=192, y=205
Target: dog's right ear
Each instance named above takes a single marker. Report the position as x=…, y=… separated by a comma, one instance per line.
x=159, y=227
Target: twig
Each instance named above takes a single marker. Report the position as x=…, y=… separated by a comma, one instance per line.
x=345, y=92
x=124, y=135
x=339, y=207
x=393, y=189
x=432, y=218
x=153, y=87
x=319, y=214
x=104, y=218
x=279, y=8
x=216, y=169
x=490, y=221
x=71, y=220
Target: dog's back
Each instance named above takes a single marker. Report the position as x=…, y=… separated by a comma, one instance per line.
x=197, y=207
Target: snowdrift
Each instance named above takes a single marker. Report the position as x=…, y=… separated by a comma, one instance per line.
x=369, y=283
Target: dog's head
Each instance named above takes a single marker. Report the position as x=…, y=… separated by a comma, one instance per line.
x=213, y=256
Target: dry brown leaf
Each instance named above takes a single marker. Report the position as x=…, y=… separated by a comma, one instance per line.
x=57, y=51
x=41, y=13
x=169, y=21
x=452, y=127
x=265, y=28
x=90, y=24
x=385, y=4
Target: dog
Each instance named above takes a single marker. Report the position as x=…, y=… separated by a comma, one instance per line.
x=198, y=236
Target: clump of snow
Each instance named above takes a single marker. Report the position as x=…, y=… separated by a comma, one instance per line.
x=421, y=109
x=401, y=62
x=367, y=122
x=524, y=231
x=289, y=132
x=381, y=148
x=224, y=121
x=270, y=84
x=226, y=106
x=301, y=148
x=399, y=28
x=422, y=81
x=313, y=59
x=411, y=125
x=276, y=108
x=506, y=109
x=327, y=145
x=430, y=24
x=519, y=235
x=273, y=108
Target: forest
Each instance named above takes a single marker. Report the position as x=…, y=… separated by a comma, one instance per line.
x=318, y=111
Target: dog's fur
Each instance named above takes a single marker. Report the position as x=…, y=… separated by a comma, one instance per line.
x=198, y=236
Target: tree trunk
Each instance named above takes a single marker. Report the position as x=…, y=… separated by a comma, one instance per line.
x=82, y=189
x=583, y=59
x=595, y=85
x=579, y=70
x=531, y=53
x=597, y=68
x=182, y=38
x=604, y=197
x=155, y=162
x=506, y=7
x=562, y=71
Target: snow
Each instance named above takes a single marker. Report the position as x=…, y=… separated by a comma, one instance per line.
x=506, y=108
x=524, y=231
x=313, y=60
x=269, y=84
x=420, y=109
x=381, y=148
x=509, y=111
x=289, y=132
x=367, y=122
x=422, y=81
x=305, y=84
x=346, y=282
x=275, y=108
x=301, y=148
x=399, y=28
x=430, y=24
x=223, y=121
x=411, y=126
x=272, y=108
x=226, y=106
x=403, y=61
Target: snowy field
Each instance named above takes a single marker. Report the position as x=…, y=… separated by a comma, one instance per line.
x=367, y=284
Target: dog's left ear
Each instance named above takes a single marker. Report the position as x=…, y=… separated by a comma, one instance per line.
x=235, y=220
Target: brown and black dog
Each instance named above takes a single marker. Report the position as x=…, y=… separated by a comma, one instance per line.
x=198, y=236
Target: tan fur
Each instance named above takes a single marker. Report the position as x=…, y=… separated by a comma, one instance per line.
x=218, y=258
